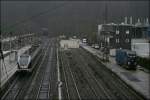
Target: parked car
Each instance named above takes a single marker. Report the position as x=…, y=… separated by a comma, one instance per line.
x=96, y=46
x=84, y=40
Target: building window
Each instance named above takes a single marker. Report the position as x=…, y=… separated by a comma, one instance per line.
x=127, y=31
x=117, y=31
x=117, y=40
x=127, y=40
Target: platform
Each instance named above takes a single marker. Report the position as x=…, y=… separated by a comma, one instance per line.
x=8, y=68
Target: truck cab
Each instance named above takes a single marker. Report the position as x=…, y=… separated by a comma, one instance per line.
x=126, y=58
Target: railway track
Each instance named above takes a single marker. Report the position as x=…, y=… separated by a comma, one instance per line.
x=98, y=85
x=87, y=89
x=48, y=86
x=119, y=87
x=43, y=85
x=70, y=83
x=83, y=77
x=44, y=88
x=17, y=88
x=95, y=90
x=94, y=80
x=14, y=89
x=109, y=80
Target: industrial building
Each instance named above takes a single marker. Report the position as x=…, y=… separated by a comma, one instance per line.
x=141, y=47
x=116, y=36
x=71, y=43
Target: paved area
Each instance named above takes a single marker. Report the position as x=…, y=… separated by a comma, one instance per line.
x=9, y=65
x=138, y=80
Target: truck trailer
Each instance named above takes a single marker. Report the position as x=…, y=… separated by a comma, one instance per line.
x=126, y=58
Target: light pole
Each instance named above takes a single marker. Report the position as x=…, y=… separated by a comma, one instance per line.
x=1, y=52
x=10, y=40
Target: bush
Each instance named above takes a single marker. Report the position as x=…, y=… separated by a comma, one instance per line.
x=144, y=62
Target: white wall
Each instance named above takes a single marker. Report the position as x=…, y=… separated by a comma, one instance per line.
x=141, y=47
x=73, y=43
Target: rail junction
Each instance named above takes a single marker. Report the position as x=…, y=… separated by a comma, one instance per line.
x=67, y=74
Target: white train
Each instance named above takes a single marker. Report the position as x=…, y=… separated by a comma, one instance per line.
x=24, y=61
x=27, y=61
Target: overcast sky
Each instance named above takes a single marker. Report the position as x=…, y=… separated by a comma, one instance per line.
x=68, y=17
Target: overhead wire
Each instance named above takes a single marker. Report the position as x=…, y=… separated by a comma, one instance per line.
x=51, y=10
x=23, y=21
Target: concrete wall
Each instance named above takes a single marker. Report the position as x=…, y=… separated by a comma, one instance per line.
x=72, y=43
x=141, y=47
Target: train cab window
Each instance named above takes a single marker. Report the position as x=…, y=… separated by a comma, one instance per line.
x=24, y=60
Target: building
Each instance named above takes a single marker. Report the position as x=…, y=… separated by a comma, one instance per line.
x=71, y=43
x=115, y=35
x=140, y=29
x=148, y=33
x=141, y=47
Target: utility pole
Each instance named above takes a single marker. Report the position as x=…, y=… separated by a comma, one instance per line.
x=106, y=48
x=10, y=41
x=19, y=42
x=105, y=13
x=1, y=52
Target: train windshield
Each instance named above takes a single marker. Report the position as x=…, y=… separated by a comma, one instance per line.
x=24, y=60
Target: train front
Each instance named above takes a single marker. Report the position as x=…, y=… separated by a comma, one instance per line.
x=24, y=62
